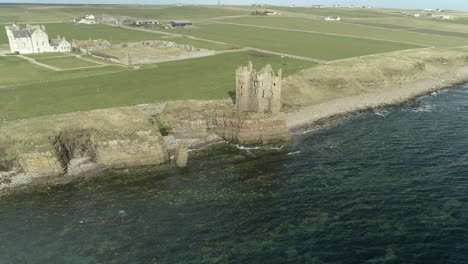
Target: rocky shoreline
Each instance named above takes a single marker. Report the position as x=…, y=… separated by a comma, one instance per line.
x=60, y=148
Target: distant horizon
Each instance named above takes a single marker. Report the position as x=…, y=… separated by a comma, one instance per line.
x=399, y=4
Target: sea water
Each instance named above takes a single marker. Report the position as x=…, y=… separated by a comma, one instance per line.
x=387, y=186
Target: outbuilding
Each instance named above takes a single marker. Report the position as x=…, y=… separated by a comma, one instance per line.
x=333, y=18
x=181, y=23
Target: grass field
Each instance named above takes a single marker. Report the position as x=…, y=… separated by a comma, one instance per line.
x=16, y=72
x=145, y=51
x=408, y=23
x=59, y=92
x=342, y=12
x=154, y=12
x=48, y=55
x=441, y=33
x=112, y=34
x=318, y=46
x=199, y=44
x=67, y=62
x=82, y=32
x=40, y=13
x=11, y=13
x=27, y=90
x=349, y=29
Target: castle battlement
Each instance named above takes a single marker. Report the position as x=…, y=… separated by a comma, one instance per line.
x=258, y=91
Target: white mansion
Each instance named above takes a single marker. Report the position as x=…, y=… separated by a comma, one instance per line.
x=34, y=39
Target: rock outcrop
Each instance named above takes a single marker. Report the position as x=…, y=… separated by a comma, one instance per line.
x=57, y=149
x=254, y=130
x=181, y=155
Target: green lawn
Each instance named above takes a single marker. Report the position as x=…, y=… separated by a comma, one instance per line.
x=67, y=62
x=16, y=72
x=203, y=78
x=348, y=29
x=47, y=55
x=318, y=46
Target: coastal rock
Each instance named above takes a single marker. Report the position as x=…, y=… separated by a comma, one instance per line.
x=138, y=150
x=40, y=164
x=181, y=155
x=57, y=149
x=253, y=130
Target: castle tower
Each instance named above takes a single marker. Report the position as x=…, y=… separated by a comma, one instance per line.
x=260, y=91
x=244, y=80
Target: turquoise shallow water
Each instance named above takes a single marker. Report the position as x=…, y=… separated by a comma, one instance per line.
x=389, y=186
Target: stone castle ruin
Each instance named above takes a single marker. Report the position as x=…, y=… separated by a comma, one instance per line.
x=260, y=92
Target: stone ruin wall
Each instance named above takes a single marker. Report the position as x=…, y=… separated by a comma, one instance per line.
x=258, y=92
x=193, y=52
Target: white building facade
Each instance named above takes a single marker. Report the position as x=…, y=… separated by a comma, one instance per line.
x=34, y=39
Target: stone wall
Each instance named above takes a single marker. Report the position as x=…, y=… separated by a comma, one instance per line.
x=183, y=56
x=193, y=52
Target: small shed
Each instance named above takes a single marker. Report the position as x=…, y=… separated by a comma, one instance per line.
x=181, y=23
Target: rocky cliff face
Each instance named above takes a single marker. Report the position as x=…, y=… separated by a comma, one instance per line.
x=143, y=149
x=60, y=148
x=257, y=129
x=210, y=121
x=60, y=152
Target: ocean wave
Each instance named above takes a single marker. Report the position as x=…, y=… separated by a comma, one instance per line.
x=425, y=108
x=381, y=112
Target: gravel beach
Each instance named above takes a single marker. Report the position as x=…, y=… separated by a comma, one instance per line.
x=307, y=116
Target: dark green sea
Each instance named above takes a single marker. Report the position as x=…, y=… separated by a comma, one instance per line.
x=388, y=186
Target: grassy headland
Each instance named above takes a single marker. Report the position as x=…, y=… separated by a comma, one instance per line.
x=44, y=93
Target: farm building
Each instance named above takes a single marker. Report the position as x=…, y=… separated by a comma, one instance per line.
x=87, y=20
x=117, y=20
x=181, y=23
x=146, y=22
x=333, y=18
x=318, y=6
x=86, y=46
